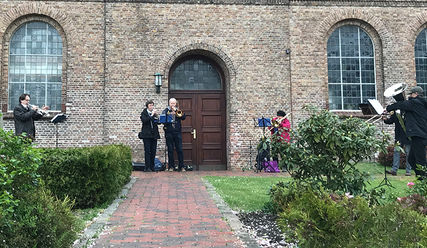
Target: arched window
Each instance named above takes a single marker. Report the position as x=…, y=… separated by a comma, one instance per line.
x=421, y=60
x=35, y=65
x=195, y=73
x=351, y=68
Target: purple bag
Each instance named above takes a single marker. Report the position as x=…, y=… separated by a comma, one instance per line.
x=271, y=166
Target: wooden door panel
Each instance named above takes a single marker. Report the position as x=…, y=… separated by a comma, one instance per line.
x=212, y=129
x=206, y=114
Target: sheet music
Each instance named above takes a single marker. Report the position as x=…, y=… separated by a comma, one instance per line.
x=376, y=105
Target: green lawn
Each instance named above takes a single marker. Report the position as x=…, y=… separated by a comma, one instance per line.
x=251, y=193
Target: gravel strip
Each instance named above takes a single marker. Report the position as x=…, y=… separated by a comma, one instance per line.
x=263, y=227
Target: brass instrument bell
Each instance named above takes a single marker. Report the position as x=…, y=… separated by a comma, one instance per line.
x=179, y=113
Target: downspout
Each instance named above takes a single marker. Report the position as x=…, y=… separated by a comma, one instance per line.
x=104, y=110
x=289, y=52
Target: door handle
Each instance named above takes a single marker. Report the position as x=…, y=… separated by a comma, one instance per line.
x=194, y=133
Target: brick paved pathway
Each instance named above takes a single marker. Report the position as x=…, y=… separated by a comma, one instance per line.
x=168, y=209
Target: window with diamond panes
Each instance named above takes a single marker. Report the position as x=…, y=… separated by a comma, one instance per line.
x=351, y=68
x=421, y=60
x=35, y=65
x=195, y=74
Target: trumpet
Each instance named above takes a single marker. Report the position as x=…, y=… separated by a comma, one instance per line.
x=179, y=113
x=38, y=110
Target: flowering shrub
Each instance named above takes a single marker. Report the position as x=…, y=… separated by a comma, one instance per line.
x=326, y=150
x=419, y=187
x=415, y=202
x=316, y=218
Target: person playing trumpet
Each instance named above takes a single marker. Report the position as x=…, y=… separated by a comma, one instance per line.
x=24, y=116
x=150, y=134
x=173, y=134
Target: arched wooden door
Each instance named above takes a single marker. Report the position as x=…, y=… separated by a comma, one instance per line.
x=197, y=83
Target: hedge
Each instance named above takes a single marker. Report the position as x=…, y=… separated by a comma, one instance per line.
x=90, y=176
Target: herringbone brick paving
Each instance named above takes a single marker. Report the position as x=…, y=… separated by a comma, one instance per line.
x=169, y=209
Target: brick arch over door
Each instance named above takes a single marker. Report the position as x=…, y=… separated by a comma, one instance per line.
x=212, y=52
x=221, y=58
x=204, y=130
x=8, y=33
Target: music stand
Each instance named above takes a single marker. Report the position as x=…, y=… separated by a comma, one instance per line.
x=262, y=122
x=373, y=107
x=164, y=118
x=55, y=120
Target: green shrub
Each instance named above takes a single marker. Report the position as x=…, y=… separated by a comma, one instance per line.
x=29, y=215
x=90, y=176
x=18, y=171
x=315, y=218
x=43, y=221
x=326, y=150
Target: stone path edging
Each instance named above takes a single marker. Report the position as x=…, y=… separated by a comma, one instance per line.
x=231, y=218
x=95, y=228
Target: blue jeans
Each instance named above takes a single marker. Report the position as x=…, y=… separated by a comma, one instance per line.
x=396, y=159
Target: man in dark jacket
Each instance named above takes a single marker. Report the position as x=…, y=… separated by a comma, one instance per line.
x=173, y=134
x=24, y=116
x=399, y=136
x=150, y=134
x=416, y=127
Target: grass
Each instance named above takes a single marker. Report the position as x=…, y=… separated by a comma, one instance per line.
x=244, y=193
x=85, y=216
x=251, y=193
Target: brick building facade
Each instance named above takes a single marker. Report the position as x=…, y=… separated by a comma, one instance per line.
x=272, y=55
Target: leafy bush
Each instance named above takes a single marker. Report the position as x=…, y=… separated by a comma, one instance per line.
x=90, y=176
x=40, y=221
x=386, y=158
x=18, y=171
x=316, y=218
x=326, y=150
x=29, y=215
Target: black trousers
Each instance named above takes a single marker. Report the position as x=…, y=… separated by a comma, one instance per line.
x=150, y=147
x=174, y=140
x=417, y=155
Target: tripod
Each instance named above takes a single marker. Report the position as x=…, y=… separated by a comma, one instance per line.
x=385, y=181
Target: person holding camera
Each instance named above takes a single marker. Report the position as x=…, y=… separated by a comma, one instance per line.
x=149, y=134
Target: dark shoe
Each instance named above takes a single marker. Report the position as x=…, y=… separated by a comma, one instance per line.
x=393, y=173
x=408, y=174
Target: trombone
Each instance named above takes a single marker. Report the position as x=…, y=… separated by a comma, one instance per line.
x=178, y=112
x=276, y=122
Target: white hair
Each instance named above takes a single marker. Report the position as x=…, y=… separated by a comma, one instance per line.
x=172, y=99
